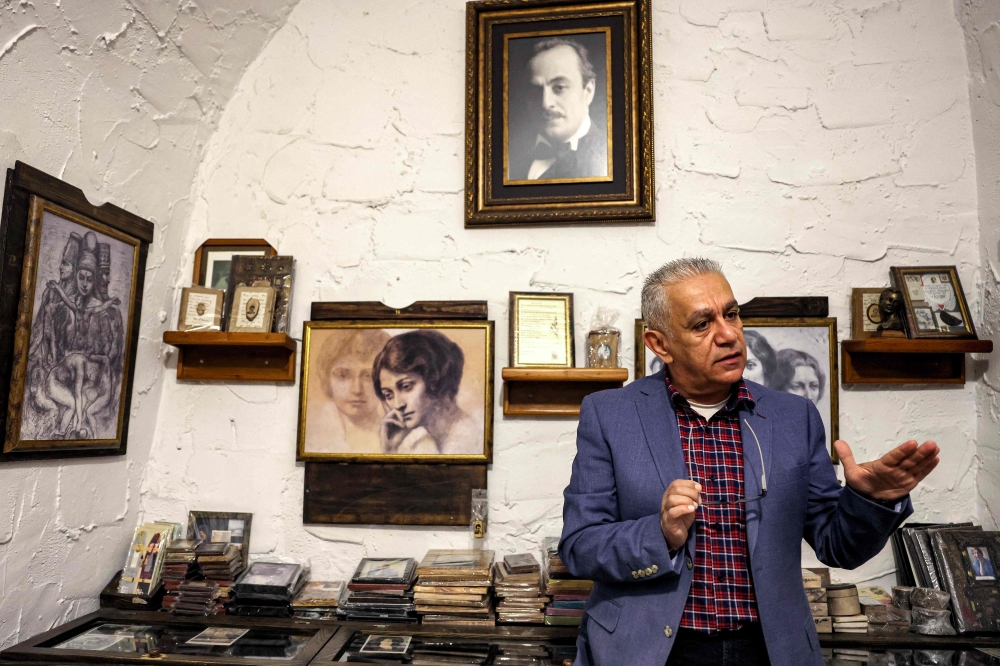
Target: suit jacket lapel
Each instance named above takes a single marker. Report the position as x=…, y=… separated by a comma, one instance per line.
x=659, y=425
x=752, y=423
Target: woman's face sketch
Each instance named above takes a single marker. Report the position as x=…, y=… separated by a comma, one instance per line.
x=754, y=371
x=84, y=282
x=351, y=387
x=65, y=269
x=407, y=394
x=805, y=383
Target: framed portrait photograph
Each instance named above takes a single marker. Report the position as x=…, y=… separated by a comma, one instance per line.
x=222, y=527
x=980, y=564
x=935, y=305
x=541, y=330
x=397, y=391
x=558, y=112
x=74, y=275
x=214, y=259
x=865, y=315
x=790, y=354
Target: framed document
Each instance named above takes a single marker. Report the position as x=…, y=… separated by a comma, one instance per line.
x=201, y=309
x=865, y=315
x=935, y=304
x=541, y=330
x=253, y=308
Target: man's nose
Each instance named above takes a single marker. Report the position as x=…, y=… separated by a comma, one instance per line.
x=548, y=97
x=726, y=332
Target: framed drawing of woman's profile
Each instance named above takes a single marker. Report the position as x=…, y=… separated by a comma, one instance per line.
x=72, y=281
x=559, y=123
x=397, y=391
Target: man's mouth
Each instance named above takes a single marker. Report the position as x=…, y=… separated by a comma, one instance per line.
x=730, y=358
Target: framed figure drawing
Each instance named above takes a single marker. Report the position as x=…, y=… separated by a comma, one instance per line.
x=397, y=391
x=790, y=354
x=559, y=124
x=72, y=281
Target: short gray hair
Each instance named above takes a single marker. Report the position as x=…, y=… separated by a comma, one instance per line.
x=655, y=307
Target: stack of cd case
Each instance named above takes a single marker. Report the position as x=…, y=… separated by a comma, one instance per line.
x=517, y=583
x=267, y=589
x=380, y=589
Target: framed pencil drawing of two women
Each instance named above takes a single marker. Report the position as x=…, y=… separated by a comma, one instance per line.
x=389, y=391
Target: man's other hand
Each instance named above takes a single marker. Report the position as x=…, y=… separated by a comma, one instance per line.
x=677, y=510
x=892, y=476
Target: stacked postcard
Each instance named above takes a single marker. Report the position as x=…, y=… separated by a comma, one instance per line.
x=380, y=589
x=144, y=564
x=517, y=582
x=266, y=589
x=569, y=594
x=195, y=597
x=318, y=600
x=454, y=587
x=221, y=564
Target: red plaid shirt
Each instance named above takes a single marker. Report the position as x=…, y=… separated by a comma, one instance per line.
x=722, y=595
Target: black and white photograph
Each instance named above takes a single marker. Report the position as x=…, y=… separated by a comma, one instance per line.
x=557, y=104
x=391, y=391
x=980, y=562
x=380, y=569
x=270, y=574
x=785, y=354
x=559, y=113
x=386, y=645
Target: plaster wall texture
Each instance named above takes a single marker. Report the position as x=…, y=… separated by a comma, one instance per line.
x=981, y=23
x=807, y=147
x=118, y=98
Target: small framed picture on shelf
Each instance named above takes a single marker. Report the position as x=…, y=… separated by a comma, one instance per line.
x=865, y=315
x=934, y=303
x=222, y=527
x=201, y=309
x=253, y=309
x=541, y=330
x=213, y=260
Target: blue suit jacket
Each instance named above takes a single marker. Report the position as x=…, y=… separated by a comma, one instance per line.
x=629, y=451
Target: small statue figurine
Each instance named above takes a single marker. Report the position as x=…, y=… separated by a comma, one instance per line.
x=890, y=304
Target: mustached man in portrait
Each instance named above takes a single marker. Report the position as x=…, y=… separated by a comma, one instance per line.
x=551, y=133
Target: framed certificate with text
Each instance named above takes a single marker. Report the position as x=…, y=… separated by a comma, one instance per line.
x=541, y=330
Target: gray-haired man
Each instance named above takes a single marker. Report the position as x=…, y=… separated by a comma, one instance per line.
x=693, y=488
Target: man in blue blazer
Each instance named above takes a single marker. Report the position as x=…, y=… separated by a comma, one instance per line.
x=692, y=490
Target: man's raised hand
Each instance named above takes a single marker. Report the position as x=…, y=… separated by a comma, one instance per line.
x=892, y=476
x=677, y=510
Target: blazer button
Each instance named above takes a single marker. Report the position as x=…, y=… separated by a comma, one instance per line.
x=649, y=572
x=635, y=574
x=655, y=569
x=690, y=562
x=668, y=632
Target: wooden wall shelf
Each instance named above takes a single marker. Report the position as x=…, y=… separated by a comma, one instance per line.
x=554, y=391
x=905, y=361
x=246, y=357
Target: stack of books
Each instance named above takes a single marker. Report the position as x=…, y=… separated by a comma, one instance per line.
x=266, y=589
x=517, y=583
x=815, y=586
x=569, y=594
x=318, y=600
x=178, y=566
x=454, y=587
x=194, y=597
x=221, y=564
x=380, y=589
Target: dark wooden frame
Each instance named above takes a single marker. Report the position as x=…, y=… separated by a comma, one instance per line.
x=221, y=245
x=632, y=197
x=899, y=284
x=512, y=335
x=247, y=519
x=23, y=183
x=31, y=650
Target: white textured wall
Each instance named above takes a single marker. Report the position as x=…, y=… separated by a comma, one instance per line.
x=119, y=98
x=806, y=146
x=981, y=21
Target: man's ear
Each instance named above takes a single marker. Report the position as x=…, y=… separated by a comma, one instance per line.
x=588, y=90
x=659, y=344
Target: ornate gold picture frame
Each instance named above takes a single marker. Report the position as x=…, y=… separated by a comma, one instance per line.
x=397, y=391
x=559, y=112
